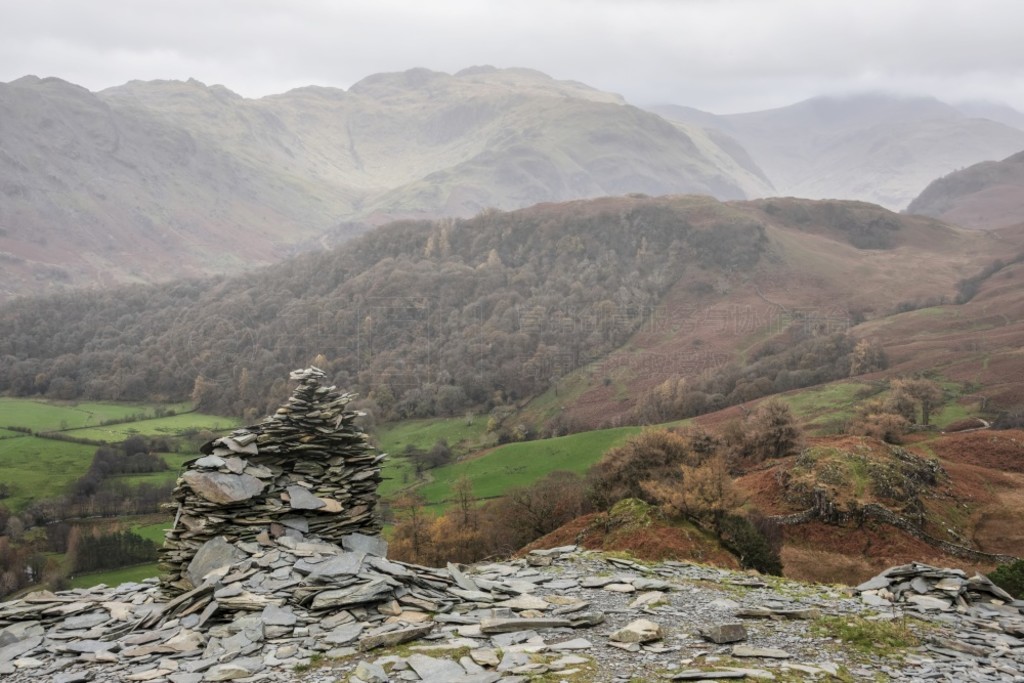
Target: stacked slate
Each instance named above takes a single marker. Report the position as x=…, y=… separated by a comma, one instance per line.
x=501, y=622
x=306, y=471
x=924, y=587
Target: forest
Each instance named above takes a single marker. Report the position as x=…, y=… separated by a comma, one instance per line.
x=421, y=318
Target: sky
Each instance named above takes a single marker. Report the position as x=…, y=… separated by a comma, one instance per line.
x=723, y=56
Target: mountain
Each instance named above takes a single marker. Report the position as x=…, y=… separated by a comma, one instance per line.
x=983, y=196
x=993, y=111
x=589, y=303
x=877, y=148
x=150, y=181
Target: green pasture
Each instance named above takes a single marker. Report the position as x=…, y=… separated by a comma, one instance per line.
x=43, y=416
x=161, y=426
x=155, y=531
x=175, y=461
x=820, y=405
x=115, y=577
x=38, y=468
x=395, y=436
x=519, y=464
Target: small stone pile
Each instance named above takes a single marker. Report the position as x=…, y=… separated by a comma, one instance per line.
x=307, y=470
x=924, y=587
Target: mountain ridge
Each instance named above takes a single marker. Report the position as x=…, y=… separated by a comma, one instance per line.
x=174, y=171
x=875, y=147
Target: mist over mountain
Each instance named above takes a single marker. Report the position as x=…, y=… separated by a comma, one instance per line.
x=153, y=180
x=878, y=148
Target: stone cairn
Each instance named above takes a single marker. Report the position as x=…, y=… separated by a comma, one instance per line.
x=306, y=470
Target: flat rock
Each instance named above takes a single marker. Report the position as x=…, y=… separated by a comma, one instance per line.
x=638, y=631
x=434, y=670
x=645, y=599
x=525, y=602
x=724, y=633
x=300, y=498
x=396, y=637
x=929, y=602
x=342, y=564
x=235, y=669
x=215, y=554
x=363, y=543
x=768, y=652
x=222, y=488
x=356, y=595
x=274, y=615
x=485, y=656
x=14, y=650
x=699, y=675
x=501, y=625
x=370, y=672
x=574, y=644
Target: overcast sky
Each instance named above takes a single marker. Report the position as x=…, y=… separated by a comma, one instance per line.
x=720, y=55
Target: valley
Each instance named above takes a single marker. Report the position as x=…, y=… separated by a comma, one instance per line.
x=523, y=280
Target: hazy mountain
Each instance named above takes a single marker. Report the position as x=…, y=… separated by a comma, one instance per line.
x=994, y=112
x=877, y=148
x=152, y=180
x=984, y=196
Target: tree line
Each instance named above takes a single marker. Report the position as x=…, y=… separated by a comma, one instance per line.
x=422, y=318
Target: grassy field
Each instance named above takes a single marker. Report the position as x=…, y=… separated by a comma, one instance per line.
x=175, y=462
x=394, y=437
x=40, y=468
x=519, y=464
x=116, y=577
x=818, y=407
x=43, y=416
x=161, y=426
x=821, y=408
x=154, y=531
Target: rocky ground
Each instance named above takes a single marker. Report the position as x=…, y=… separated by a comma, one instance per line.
x=557, y=615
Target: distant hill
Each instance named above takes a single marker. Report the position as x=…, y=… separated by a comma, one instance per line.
x=155, y=180
x=983, y=196
x=437, y=317
x=993, y=112
x=877, y=148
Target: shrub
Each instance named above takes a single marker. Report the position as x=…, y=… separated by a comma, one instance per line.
x=750, y=545
x=771, y=431
x=1010, y=577
x=652, y=455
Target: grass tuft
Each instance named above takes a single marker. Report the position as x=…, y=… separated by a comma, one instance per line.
x=881, y=637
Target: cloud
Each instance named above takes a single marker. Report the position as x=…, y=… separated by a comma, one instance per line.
x=722, y=55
